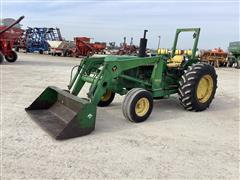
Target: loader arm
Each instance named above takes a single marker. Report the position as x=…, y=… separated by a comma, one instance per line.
x=106, y=71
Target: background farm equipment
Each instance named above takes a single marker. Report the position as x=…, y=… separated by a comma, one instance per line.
x=126, y=49
x=216, y=57
x=20, y=43
x=112, y=48
x=35, y=39
x=62, y=48
x=234, y=56
x=9, y=32
x=65, y=115
x=85, y=48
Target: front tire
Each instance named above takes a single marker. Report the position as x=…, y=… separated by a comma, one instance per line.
x=137, y=105
x=198, y=87
x=12, y=57
x=106, y=99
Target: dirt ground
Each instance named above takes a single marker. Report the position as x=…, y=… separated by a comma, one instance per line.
x=171, y=144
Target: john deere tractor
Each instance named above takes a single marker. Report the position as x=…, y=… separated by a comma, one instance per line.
x=142, y=79
x=234, y=57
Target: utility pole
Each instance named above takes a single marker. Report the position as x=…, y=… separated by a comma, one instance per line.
x=131, y=43
x=159, y=38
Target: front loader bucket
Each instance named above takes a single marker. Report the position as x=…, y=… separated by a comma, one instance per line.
x=62, y=114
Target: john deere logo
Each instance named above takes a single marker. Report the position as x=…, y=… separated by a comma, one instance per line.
x=90, y=116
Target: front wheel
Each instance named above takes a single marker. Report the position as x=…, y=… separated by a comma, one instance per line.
x=137, y=105
x=12, y=57
x=106, y=99
x=198, y=87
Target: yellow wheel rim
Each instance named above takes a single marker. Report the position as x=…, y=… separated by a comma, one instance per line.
x=142, y=106
x=204, y=88
x=106, y=96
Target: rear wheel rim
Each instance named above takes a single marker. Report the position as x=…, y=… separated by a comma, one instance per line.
x=204, y=88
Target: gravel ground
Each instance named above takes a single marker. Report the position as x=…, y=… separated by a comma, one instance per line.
x=171, y=144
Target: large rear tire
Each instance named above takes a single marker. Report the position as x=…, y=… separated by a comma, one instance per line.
x=12, y=57
x=137, y=105
x=198, y=87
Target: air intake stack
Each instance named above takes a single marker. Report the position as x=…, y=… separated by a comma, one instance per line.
x=143, y=45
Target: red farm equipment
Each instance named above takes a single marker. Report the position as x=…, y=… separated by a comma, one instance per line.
x=85, y=48
x=8, y=35
x=127, y=49
x=216, y=57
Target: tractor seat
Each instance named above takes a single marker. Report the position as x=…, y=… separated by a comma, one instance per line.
x=176, y=61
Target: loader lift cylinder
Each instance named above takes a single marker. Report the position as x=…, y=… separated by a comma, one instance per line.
x=143, y=45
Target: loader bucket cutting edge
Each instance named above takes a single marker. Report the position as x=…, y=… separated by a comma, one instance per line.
x=62, y=114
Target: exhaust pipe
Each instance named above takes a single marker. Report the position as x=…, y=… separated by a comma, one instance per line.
x=143, y=45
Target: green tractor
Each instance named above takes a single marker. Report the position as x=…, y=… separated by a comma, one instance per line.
x=142, y=79
x=234, y=58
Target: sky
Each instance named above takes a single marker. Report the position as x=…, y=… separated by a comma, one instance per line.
x=111, y=20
